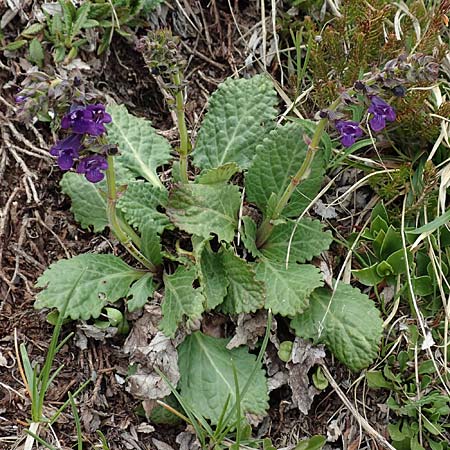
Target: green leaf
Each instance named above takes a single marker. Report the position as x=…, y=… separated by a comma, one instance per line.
x=285, y=351
x=12, y=46
x=245, y=292
x=212, y=276
x=220, y=174
x=207, y=380
x=288, y=290
x=398, y=261
x=348, y=323
x=309, y=240
x=433, y=225
x=139, y=205
x=151, y=244
x=140, y=292
x=33, y=29
x=379, y=210
x=180, y=300
x=392, y=242
x=235, y=122
x=106, y=279
x=141, y=149
x=90, y=23
x=69, y=13
x=368, y=275
x=81, y=17
x=248, y=235
x=376, y=380
x=203, y=209
x=88, y=205
x=314, y=443
x=277, y=160
x=36, y=52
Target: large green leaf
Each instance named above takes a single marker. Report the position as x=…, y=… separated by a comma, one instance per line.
x=277, y=160
x=235, y=122
x=181, y=300
x=106, y=279
x=309, y=240
x=288, y=290
x=348, y=323
x=212, y=276
x=141, y=149
x=88, y=205
x=245, y=292
x=207, y=378
x=139, y=204
x=203, y=209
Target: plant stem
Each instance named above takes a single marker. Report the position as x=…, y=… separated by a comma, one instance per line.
x=114, y=222
x=182, y=128
x=265, y=230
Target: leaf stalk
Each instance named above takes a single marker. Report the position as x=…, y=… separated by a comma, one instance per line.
x=265, y=230
x=114, y=222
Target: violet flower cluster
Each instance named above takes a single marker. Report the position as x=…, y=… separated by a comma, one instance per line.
x=381, y=112
x=85, y=123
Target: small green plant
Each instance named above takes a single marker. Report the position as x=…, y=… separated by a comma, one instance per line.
x=385, y=259
x=66, y=27
x=38, y=381
x=420, y=409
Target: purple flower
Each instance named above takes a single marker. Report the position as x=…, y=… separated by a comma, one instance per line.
x=92, y=167
x=20, y=99
x=349, y=131
x=67, y=151
x=86, y=120
x=381, y=112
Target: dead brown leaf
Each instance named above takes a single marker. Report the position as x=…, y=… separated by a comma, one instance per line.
x=304, y=356
x=150, y=349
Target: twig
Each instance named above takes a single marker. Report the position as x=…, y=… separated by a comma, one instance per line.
x=361, y=421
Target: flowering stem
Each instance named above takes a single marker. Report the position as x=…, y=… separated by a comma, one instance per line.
x=265, y=230
x=114, y=221
x=182, y=128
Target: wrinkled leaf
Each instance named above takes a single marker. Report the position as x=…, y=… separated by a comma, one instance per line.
x=212, y=277
x=220, y=174
x=203, y=209
x=245, y=293
x=348, y=323
x=106, y=279
x=248, y=235
x=309, y=240
x=88, y=205
x=288, y=290
x=233, y=125
x=277, y=160
x=139, y=205
x=181, y=300
x=141, y=149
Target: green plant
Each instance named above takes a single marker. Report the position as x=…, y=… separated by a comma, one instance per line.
x=419, y=407
x=66, y=27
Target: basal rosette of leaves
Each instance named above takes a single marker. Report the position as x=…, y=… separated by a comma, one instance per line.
x=214, y=271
